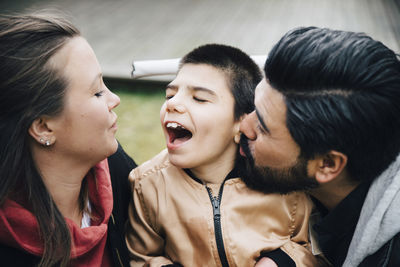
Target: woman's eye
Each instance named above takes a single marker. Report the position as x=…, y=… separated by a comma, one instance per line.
x=199, y=99
x=168, y=97
x=98, y=94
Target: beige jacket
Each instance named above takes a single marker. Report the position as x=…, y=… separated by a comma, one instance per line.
x=171, y=220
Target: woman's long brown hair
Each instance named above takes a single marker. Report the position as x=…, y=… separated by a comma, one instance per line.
x=29, y=89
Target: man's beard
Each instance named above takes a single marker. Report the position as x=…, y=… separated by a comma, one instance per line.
x=270, y=180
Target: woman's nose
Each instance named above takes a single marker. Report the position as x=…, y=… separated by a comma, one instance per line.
x=113, y=101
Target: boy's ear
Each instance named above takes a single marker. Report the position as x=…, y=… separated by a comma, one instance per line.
x=236, y=129
x=236, y=138
x=41, y=133
x=327, y=167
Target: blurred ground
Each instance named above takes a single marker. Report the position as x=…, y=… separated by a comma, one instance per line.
x=139, y=129
x=124, y=30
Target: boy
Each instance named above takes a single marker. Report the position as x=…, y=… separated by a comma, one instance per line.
x=189, y=205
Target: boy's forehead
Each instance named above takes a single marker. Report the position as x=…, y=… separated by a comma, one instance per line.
x=201, y=76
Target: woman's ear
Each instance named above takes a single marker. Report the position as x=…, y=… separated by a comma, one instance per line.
x=327, y=167
x=41, y=133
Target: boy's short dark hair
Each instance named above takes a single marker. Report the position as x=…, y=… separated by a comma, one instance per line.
x=342, y=92
x=242, y=72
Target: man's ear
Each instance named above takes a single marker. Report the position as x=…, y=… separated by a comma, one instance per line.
x=41, y=133
x=327, y=167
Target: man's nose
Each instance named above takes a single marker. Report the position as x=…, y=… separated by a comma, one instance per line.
x=247, y=126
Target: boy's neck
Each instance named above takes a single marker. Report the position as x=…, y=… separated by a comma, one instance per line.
x=213, y=173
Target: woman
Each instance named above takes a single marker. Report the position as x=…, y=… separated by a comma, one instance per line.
x=57, y=128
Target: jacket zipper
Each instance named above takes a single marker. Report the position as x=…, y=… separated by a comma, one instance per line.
x=216, y=204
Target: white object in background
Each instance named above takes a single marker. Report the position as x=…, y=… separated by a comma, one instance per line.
x=147, y=68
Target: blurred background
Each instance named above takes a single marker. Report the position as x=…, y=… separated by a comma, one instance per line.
x=123, y=31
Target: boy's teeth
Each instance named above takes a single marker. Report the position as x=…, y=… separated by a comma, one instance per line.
x=174, y=125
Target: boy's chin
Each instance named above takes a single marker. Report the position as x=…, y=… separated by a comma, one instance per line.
x=179, y=161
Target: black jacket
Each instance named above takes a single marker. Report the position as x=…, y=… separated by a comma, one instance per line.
x=120, y=165
x=335, y=232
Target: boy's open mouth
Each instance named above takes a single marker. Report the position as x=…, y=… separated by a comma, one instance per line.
x=177, y=133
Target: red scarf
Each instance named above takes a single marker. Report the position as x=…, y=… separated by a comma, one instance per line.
x=19, y=228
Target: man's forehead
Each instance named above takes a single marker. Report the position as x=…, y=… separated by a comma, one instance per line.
x=269, y=102
x=260, y=91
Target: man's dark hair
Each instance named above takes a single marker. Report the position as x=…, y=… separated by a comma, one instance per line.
x=342, y=92
x=241, y=71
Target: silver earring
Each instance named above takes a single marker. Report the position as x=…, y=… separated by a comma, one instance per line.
x=41, y=140
x=47, y=143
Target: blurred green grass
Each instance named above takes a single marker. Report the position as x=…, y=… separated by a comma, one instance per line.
x=139, y=128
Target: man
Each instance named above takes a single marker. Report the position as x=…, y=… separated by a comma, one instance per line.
x=327, y=121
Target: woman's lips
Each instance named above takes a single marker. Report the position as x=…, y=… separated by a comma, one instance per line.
x=114, y=126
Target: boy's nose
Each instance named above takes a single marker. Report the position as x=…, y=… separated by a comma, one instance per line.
x=175, y=105
x=247, y=126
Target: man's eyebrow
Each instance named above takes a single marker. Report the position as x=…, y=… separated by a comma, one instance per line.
x=260, y=119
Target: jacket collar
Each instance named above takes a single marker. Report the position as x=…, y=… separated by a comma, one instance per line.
x=232, y=174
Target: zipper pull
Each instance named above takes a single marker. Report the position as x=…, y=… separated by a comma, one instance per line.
x=216, y=211
x=214, y=203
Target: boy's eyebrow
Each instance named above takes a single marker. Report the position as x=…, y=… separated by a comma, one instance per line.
x=192, y=88
x=260, y=119
x=171, y=86
x=203, y=89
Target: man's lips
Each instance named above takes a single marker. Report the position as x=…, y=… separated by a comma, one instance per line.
x=244, y=147
x=241, y=151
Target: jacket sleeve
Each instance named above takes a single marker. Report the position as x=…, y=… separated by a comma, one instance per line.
x=296, y=252
x=299, y=246
x=145, y=243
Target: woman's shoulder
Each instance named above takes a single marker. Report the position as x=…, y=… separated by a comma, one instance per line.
x=120, y=160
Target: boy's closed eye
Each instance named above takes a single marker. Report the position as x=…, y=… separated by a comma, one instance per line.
x=169, y=93
x=200, y=99
x=168, y=96
x=203, y=95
